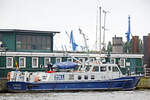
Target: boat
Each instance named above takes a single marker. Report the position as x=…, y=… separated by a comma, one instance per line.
x=68, y=76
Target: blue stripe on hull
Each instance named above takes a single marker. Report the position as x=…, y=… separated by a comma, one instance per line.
x=124, y=83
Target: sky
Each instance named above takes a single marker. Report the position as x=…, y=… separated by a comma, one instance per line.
x=67, y=15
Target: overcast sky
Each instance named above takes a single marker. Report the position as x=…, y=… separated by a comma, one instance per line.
x=67, y=15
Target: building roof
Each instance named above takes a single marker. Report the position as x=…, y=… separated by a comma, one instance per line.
x=27, y=31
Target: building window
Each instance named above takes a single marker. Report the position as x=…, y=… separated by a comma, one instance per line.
x=127, y=63
x=29, y=38
x=35, y=62
x=47, y=61
x=122, y=62
x=22, y=62
x=31, y=42
x=113, y=61
x=58, y=60
x=9, y=62
x=92, y=59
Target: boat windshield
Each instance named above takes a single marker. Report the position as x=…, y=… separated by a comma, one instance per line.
x=87, y=68
x=95, y=69
x=115, y=69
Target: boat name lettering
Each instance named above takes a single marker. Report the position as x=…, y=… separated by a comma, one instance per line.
x=17, y=86
x=59, y=77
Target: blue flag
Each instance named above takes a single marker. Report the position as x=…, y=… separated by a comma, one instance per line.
x=129, y=31
x=72, y=41
x=128, y=36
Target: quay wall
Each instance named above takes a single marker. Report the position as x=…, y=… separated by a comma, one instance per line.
x=3, y=87
x=144, y=83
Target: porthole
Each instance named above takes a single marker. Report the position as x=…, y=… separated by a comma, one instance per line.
x=79, y=77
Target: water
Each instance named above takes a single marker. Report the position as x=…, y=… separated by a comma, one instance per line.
x=86, y=95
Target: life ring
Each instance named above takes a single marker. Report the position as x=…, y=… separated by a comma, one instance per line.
x=8, y=75
x=36, y=79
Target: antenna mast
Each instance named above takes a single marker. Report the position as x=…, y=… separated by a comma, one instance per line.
x=96, y=29
x=100, y=30
x=85, y=41
x=104, y=29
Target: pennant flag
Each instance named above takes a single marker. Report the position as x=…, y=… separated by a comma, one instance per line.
x=17, y=67
x=72, y=41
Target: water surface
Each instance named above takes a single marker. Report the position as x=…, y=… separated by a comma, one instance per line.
x=86, y=95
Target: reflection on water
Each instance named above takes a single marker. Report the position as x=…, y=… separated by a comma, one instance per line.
x=86, y=95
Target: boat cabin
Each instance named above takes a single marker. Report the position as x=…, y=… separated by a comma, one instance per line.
x=94, y=72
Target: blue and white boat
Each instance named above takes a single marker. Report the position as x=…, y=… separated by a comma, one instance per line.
x=95, y=76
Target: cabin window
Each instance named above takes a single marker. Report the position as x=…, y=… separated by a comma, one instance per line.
x=86, y=77
x=82, y=59
x=47, y=61
x=103, y=60
x=9, y=62
x=71, y=77
x=92, y=59
x=96, y=69
x=88, y=67
x=34, y=62
x=92, y=77
x=122, y=62
x=58, y=60
x=103, y=68
x=70, y=59
x=22, y=62
x=79, y=77
x=115, y=69
x=109, y=68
